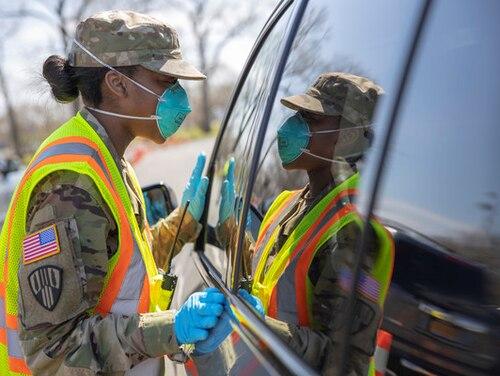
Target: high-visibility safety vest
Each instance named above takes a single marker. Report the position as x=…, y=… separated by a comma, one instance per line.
x=284, y=288
x=132, y=284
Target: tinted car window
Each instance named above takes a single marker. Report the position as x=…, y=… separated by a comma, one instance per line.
x=443, y=180
x=358, y=37
x=440, y=196
x=238, y=140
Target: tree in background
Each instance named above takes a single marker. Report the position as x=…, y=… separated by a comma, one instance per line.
x=4, y=90
x=213, y=24
x=63, y=16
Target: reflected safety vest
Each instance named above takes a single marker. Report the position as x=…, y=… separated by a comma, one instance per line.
x=132, y=284
x=284, y=288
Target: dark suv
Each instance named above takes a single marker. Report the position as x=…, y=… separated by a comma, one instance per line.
x=431, y=175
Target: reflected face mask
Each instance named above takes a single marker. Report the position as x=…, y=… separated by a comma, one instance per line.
x=171, y=110
x=294, y=136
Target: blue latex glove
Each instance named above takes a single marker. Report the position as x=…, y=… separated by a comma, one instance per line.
x=226, y=207
x=253, y=301
x=196, y=189
x=216, y=335
x=199, y=313
x=223, y=328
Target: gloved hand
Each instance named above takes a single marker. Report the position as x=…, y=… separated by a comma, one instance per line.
x=216, y=335
x=199, y=313
x=196, y=189
x=223, y=328
x=253, y=301
x=226, y=207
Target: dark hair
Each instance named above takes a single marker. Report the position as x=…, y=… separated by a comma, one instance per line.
x=67, y=82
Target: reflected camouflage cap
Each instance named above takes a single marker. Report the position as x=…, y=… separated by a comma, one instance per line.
x=337, y=93
x=122, y=37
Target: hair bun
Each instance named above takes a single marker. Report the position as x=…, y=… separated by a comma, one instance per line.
x=59, y=74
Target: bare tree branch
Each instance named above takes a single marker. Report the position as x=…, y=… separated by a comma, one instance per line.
x=232, y=33
x=82, y=9
x=213, y=24
x=4, y=90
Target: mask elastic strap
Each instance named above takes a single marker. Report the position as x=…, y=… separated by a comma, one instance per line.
x=323, y=158
x=152, y=117
x=340, y=130
x=84, y=49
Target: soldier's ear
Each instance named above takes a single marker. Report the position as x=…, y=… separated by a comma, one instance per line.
x=116, y=84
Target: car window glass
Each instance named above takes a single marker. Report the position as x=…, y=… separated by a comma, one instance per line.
x=341, y=76
x=442, y=188
x=238, y=140
x=357, y=37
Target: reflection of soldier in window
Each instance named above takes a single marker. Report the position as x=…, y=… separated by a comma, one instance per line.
x=302, y=262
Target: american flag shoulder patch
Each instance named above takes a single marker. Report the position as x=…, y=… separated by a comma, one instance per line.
x=367, y=285
x=40, y=245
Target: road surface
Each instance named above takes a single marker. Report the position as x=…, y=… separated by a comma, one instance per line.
x=173, y=166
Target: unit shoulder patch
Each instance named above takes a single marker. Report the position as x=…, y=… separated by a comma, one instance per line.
x=46, y=284
x=40, y=245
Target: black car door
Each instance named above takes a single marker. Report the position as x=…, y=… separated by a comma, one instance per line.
x=358, y=37
x=440, y=198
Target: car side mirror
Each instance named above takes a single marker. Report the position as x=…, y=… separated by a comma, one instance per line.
x=160, y=202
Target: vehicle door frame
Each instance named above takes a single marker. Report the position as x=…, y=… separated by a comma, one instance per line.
x=284, y=360
x=255, y=329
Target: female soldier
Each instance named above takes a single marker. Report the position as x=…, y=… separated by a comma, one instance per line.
x=76, y=247
x=302, y=263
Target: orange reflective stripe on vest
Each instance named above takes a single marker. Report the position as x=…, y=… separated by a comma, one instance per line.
x=128, y=278
x=284, y=287
x=302, y=270
x=288, y=299
x=18, y=365
x=127, y=284
x=9, y=338
x=85, y=150
x=72, y=145
x=289, y=295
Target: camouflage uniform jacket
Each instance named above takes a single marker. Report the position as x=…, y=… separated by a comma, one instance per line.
x=82, y=342
x=319, y=344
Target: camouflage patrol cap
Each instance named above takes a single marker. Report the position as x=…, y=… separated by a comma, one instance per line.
x=123, y=37
x=337, y=93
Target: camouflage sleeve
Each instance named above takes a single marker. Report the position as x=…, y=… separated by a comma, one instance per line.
x=309, y=344
x=227, y=233
x=58, y=333
x=329, y=274
x=163, y=235
x=217, y=363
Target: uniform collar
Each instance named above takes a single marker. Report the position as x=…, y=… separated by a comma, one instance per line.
x=123, y=166
x=311, y=201
x=101, y=131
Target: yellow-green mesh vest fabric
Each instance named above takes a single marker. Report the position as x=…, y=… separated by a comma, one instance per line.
x=285, y=267
x=14, y=231
x=263, y=284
